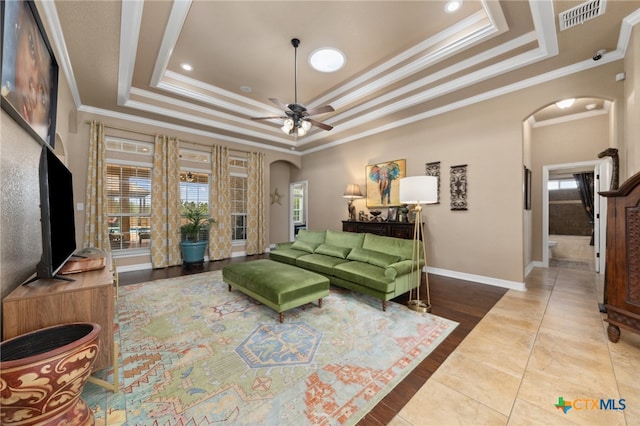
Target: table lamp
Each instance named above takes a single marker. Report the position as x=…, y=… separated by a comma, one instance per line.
x=352, y=192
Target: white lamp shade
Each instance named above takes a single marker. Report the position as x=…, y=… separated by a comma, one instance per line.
x=419, y=190
x=352, y=191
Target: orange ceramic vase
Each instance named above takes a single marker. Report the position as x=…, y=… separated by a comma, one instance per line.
x=42, y=374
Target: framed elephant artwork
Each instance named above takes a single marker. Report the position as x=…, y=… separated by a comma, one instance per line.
x=383, y=183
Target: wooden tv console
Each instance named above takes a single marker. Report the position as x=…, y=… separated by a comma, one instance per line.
x=46, y=302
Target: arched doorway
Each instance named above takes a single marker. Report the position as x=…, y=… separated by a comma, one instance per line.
x=561, y=139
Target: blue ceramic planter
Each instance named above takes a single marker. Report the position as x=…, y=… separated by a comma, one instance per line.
x=193, y=252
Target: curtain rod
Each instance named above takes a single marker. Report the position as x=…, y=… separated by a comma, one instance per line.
x=108, y=126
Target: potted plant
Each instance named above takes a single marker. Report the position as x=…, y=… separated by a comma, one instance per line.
x=193, y=245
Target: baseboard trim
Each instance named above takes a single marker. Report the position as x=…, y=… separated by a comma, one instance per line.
x=512, y=285
x=132, y=268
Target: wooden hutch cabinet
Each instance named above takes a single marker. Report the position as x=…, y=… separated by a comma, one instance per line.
x=623, y=258
x=386, y=229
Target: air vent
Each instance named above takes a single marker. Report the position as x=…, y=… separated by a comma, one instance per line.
x=581, y=13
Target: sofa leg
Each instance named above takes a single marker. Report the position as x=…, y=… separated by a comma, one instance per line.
x=384, y=306
x=281, y=317
x=229, y=285
x=320, y=302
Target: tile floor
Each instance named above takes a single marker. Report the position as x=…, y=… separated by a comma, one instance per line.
x=530, y=349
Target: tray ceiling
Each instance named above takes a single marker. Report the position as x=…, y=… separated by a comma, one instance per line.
x=405, y=61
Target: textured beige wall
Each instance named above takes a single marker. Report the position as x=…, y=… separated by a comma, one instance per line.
x=489, y=233
x=488, y=239
x=20, y=229
x=20, y=234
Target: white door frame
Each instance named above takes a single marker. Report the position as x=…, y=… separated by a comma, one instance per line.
x=601, y=168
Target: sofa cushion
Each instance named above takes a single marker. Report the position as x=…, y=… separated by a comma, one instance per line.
x=306, y=246
x=373, y=257
x=329, y=250
x=365, y=274
x=286, y=255
x=396, y=246
x=319, y=263
x=344, y=239
x=311, y=236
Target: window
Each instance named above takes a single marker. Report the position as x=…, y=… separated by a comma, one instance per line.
x=129, y=206
x=238, y=207
x=194, y=190
x=129, y=169
x=556, y=184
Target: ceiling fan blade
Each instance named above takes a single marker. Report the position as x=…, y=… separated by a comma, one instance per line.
x=279, y=103
x=319, y=124
x=320, y=110
x=266, y=118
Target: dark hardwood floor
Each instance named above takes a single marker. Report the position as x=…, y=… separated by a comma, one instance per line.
x=462, y=301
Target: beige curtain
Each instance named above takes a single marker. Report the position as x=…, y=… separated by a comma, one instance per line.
x=255, y=204
x=96, y=225
x=220, y=237
x=165, y=203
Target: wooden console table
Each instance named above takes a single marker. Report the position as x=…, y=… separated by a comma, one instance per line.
x=47, y=302
x=386, y=229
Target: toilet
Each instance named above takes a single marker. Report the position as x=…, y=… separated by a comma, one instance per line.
x=551, y=245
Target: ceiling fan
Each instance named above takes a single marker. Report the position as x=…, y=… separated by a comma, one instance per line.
x=297, y=118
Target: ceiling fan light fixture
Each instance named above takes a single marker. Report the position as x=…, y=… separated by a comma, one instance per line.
x=306, y=125
x=327, y=59
x=300, y=131
x=287, y=126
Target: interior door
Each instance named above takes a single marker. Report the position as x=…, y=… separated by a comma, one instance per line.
x=601, y=182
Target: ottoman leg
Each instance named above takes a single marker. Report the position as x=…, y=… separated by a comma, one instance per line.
x=229, y=286
x=281, y=317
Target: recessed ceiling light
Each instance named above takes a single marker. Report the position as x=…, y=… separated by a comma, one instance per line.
x=186, y=67
x=246, y=89
x=565, y=103
x=327, y=59
x=452, y=6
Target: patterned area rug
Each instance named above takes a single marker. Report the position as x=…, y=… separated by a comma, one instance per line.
x=193, y=353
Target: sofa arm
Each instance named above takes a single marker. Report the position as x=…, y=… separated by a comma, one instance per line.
x=399, y=268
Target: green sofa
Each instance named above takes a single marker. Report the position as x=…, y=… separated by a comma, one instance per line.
x=370, y=264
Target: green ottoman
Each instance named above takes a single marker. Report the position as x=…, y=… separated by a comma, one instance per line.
x=277, y=285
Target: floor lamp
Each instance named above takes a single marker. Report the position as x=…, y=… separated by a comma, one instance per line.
x=419, y=190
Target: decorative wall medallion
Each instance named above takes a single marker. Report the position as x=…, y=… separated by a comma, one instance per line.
x=433, y=169
x=458, y=183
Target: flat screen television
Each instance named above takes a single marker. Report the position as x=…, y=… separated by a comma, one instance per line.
x=56, y=215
